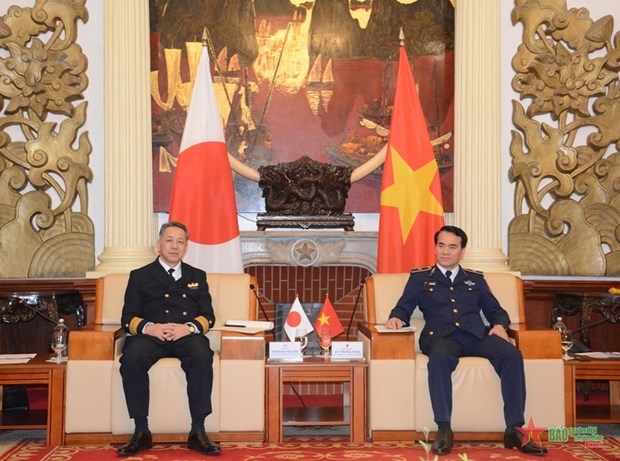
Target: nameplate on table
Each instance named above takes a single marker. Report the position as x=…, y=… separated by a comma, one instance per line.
x=285, y=351
x=347, y=350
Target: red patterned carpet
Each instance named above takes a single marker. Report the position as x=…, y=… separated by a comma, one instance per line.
x=329, y=449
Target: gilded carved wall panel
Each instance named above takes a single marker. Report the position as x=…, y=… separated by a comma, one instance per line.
x=564, y=150
x=45, y=230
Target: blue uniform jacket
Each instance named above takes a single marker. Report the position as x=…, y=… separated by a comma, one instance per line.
x=447, y=306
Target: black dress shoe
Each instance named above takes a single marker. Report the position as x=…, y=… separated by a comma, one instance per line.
x=515, y=440
x=200, y=442
x=443, y=442
x=139, y=441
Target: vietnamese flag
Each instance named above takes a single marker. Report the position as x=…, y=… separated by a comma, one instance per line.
x=203, y=195
x=411, y=208
x=327, y=318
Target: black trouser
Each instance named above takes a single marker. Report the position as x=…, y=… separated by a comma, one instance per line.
x=196, y=357
x=443, y=357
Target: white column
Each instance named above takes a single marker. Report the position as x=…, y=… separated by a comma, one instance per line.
x=477, y=183
x=129, y=220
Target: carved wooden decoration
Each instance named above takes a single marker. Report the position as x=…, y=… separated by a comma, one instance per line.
x=305, y=193
x=565, y=160
x=45, y=230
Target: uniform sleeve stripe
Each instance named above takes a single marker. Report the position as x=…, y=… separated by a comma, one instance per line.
x=204, y=323
x=134, y=324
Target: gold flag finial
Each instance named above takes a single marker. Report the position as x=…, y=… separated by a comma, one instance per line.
x=401, y=37
x=204, y=36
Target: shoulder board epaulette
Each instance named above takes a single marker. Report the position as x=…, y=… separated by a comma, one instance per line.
x=421, y=269
x=474, y=271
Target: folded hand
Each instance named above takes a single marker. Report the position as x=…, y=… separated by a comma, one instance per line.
x=167, y=331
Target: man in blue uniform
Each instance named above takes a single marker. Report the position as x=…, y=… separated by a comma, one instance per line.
x=167, y=310
x=450, y=333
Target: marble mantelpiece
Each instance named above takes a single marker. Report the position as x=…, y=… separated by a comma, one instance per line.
x=309, y=248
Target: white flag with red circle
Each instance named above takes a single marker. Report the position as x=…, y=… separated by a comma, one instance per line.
x=297, y=320
x=203, y=194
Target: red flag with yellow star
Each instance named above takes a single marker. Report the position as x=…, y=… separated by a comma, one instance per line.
x=411, y=206
x=327, y=318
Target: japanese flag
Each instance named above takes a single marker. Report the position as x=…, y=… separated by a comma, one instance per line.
x=297, y=320
x=203, y=193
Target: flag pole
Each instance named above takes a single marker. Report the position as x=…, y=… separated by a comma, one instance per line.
x=208, y=43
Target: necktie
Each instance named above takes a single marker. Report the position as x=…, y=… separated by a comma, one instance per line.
x=171, y=272
x=449, y=276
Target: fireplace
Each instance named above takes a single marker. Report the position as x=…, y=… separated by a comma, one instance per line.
x=279, y=285
x=310, y=265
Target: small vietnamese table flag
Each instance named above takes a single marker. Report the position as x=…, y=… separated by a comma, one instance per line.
x=327, y=318
x=296, y=320
x=203, y=194
x=411, y=208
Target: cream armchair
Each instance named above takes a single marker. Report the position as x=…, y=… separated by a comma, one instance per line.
x=95, y=403
x=399, y=404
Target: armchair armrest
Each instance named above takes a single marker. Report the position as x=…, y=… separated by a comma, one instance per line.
x=397, y=345
x=536, y=344
x=242, y=346
x=98, y=342
x=94, y=342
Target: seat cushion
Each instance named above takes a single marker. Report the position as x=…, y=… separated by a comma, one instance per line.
x=477, y=399
x=169, y=408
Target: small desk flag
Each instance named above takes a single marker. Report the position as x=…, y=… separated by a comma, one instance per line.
x=327, y=318
x=297, y=320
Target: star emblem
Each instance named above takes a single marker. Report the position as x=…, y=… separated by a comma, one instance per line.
x=305, y=252
x=531, y=432
x=411, y=191
x=323, y=319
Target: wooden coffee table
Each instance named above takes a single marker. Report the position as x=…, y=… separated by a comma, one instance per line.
x=37, y=371
x=593, y=369
x=315, y=370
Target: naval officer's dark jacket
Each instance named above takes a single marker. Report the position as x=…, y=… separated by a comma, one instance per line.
x=447, y=306
x=152, y=295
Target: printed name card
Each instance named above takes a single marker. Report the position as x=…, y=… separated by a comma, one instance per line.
x=285, y=350
x=347, y=350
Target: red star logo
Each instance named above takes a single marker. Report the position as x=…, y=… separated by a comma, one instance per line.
x=531, y=432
